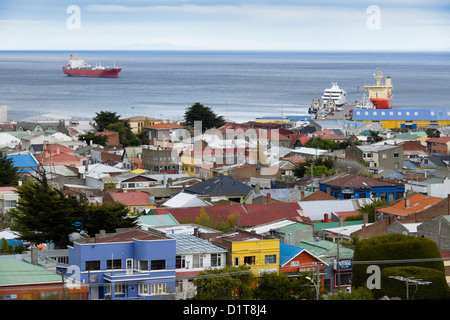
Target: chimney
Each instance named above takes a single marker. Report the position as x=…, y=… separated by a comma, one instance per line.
x=407, y=201
x=329, y=191
x=302, y=192
x=448, y=203
x=257, y=188
x=34, y=255
x=325, y=217
x=341, y=221
x=365, y=218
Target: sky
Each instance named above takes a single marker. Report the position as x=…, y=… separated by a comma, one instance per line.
x=323, y=25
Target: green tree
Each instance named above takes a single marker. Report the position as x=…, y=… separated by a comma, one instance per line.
x=95, y=138
x=105, y=118
x=198, y=112
x=9, y=174
x=319, y=143
x=229, y=283
x=126, y=136
x=369, y=209
x=107, y=217
x=274, y=286
x=44, y=214
x=374, y=137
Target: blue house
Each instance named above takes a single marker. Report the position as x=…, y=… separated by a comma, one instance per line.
x=131, y=264
x=355, y=186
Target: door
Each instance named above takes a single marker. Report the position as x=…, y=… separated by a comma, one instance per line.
x=129, y=266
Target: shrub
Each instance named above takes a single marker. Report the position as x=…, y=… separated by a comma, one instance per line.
x=393, y=247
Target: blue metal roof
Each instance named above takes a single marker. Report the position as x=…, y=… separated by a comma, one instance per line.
x=288, y=252
x=24, y=162
x=402, y=114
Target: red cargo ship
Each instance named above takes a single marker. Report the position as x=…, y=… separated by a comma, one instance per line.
x=380, y=94
x=80, y=68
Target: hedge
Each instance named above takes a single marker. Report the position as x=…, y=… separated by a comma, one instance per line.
x=393, y=247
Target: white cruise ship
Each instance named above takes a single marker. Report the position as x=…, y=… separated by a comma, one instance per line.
x=334, y=96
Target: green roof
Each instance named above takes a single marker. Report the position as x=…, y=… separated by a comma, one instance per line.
x=158, y=220
x=326, y=250
x=335, y=224
x=16, y=272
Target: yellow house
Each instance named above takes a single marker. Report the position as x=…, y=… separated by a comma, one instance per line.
x=260, y=253
x=138, y=122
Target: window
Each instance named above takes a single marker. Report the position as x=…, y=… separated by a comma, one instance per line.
x=384, y=156
x=114, y=264
x=92, y=265
x=9, y=203
x=216, y=259
x=270, y=259
x=396, y=155
x=158, y=264
x=143, y=265
x=118, y=289
x=180, y=262
x=236, y=261
x=249, y=260
x=143, y=289
x=158, y=288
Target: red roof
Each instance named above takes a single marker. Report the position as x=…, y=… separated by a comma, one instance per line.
x=248, y=214
x=168, y=125
x=439, y=140
x=131, y=198
x=347, y=180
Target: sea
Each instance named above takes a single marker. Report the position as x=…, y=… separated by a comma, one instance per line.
x=238, y=85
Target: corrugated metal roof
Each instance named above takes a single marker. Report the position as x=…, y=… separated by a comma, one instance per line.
x=187, y=243
x=315, y=210
x=249, y=215
x=402, y=114
x=15, y=272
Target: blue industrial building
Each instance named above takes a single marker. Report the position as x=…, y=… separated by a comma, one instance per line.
x=131, y=264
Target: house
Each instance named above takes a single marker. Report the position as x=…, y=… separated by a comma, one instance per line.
x=128, y=156
x=59, y=155
x=160, y=132
x=130, y=264
x=438, y=230
x=128, y=181
x=112, y=137
x=279, y=195
x=220, y=188
x=415, y=208
x=137, y=123
x=158, y=159
x=260, y=253
x=136, y=201
x=8, y=199
x=194, y=255
x=403, y=228
x=438, y=146
x=20, y=280
x=154, y=221
x=294, y=260
x=184, y=200
x=377, y=156
x=355, y=186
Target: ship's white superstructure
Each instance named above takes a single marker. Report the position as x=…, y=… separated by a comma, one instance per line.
x=334, y=96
